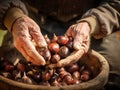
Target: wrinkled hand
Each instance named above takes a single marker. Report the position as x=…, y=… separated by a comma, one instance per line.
x=81, y=34
x=24, y=31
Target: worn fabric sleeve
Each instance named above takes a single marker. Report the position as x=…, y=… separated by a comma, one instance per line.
x=6, y=5
x=104, y=19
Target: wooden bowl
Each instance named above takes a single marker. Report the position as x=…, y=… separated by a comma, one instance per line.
x=95, y=61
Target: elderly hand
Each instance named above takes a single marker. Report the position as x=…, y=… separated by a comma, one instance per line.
x=81, y=34
x=24, y=31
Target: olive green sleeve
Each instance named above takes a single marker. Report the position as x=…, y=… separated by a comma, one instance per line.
x=5, y=7
x=12, y=15
x=104, y=19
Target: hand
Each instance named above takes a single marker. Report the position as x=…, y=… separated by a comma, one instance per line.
x=81, y=34
x=24, y=31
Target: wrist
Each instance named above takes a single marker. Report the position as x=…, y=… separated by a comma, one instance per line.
x=93, y=24
x=12, y=15
x=85, y=25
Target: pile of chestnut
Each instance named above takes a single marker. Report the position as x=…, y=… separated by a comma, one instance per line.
x=59, y=47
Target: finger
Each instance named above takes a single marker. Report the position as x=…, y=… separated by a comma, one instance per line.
x=77, y=43
x=37, y=36
x=74, y=57
x=23, y=52
x=86, y=45
x=32, y=52
x=70, y=31
x=27, y=57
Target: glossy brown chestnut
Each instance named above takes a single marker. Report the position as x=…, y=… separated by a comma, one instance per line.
x=46, y=55
x=64, y=51
x=62, y=40
x=85, y=76
x=55, y=58
x=9, y=67
x=46, y=76
x=54, y=39
x=36, y=76
x=72, y=68
x=54, y=47
x=68, y=79
x=76, y=75
x=70, y=45
x=26, y=79
x=20, y=67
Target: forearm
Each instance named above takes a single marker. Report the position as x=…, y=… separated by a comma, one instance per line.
x=106, y=18
x=6, y=6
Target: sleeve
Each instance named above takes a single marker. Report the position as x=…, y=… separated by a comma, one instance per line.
x=6, y=5
x=103, y=19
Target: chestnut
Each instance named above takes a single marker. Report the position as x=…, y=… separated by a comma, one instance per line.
x=15, y=73
x=46, y=76
x=64, y=51
x=68, y=79
x=26, y=79
x=20, y=67
x=54, y=47
x=54, y=77
x=85, y=76
x=9, y=67
x=70, y=45
x=72, y=68
x=76, y=75
x=54, y=39
x=55, y=83
x=36, y=76
x=55, y=58
x=62, y=40
x=60, y=69
x=47, y=55
x=62, y=74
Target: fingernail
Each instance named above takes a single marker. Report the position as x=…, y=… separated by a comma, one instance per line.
x=42, y=44
x=43, y=63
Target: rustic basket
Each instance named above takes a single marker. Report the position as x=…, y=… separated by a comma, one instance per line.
x=95, y=61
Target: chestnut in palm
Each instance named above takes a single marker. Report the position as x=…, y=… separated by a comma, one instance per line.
x=64, y=51
x=54, y=47
x=62, y=40
x=55, y=58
